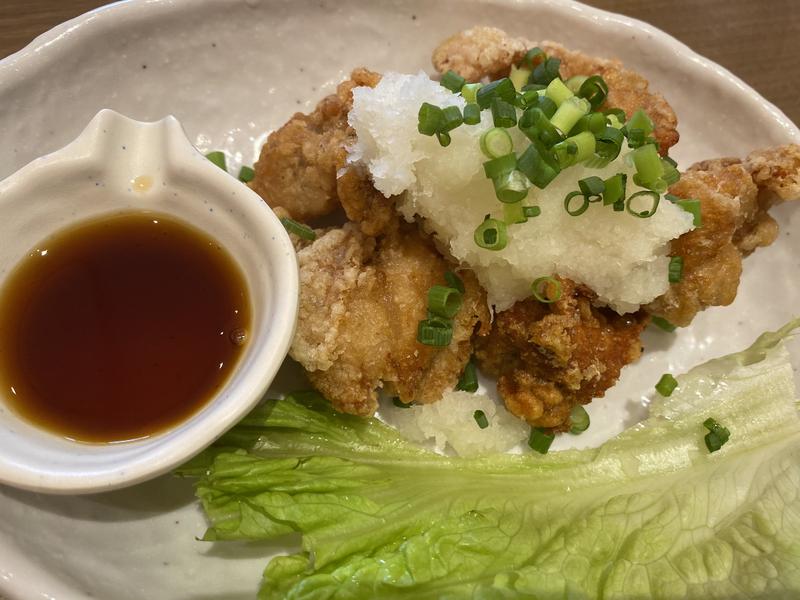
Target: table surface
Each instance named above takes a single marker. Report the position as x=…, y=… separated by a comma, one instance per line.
x=758, y=41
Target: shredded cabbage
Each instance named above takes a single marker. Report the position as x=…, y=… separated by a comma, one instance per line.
x=650, y=514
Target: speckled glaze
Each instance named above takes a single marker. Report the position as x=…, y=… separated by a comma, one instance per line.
x=232, y=71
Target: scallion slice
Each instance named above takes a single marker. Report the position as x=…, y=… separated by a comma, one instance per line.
x=469, y=92
x=615, y=189
x=568, y=113
x=692, y=205
x=468, y=382
x=671, y=174
x=662, y=323
x=453, y=81
x=646, y=213
x=666, y=385
x=593, y=122
x=574, y=83
x=574, y=209
x=519, y=76
x=504, y=113
x=648, y=163
x=608, y=145
x=574, y=149
x=300, y=230
x=429, y=119
x=451, y=118
x=592, y=188
x=595, y=90
x=514, y=213
x=480, y=419
x=218, y=158
x=675, y=272
x=640, y=120
x=533, y=57
x=492, y=234
x=546, y=71
x=531, y=211
x=540, y=440
x=472, y=114
x=496, y=142
x=454, y=281
x=538, y=165
x=400, y=404
x=557, y=91
x=444, y=301
x=246, y=174
x=435, y=332
x=511, y=187
x=717, y=435
x=502, y=88
x=498, y=166
x=579, y=420
x=444, y=138
x=536, y=126
x=546, y=289
x=617, y=113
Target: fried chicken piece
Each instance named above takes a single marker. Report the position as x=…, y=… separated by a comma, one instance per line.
x=489, y=52
x=734, y=197
x=299, y=162
x=361, y=300
x=548, y=358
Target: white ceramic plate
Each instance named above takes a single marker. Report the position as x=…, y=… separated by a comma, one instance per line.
x=232, y=71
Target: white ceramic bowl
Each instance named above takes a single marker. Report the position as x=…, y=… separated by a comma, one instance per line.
x=120, y=165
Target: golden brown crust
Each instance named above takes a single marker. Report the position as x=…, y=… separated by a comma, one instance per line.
x=361, y=300
x=547, y=358
x=734, y=196
x=299, y=162
x=489, y=52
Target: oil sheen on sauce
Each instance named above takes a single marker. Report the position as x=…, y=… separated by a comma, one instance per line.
x=120, y=328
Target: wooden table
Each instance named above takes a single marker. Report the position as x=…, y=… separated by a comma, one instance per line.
x=758, y=40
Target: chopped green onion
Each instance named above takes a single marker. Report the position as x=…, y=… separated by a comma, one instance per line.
x=717, y=435
x=472, y=114
x=574, y=149
x=514, y=213
x=533, y=57
x=444, y=301
x=692, y=205
x=574, y=83
x=451, y=118
x=619, y=206
x=662, y=323
x=640, y=120
x=643, y=214
x=666, y=385
x=594, y=89
x=218, y=158
x=435, y=332
x=569, y=205
x=468, y=382
x=430, y=119
x=469, y=92
x=496, y=142
x=592, y=188
x=444, y=138
x=546, y=105
x=511, y=187
x=246, y=174
x=614, y=122
x=659, y=185
x=300, y=230
x=400, y=404
x=615, y=189
x=617, y=113
x=531, y=211
x=536, y=126
x=491, y=234
x=579, y=420
x=675, y=273
x=546, y=289
x=480, y=419
x=558, y=92
x=546, y=71
x=671, y=174
x=454, y=281
x=452, y=81
x=608, y=145
x=540, y=440
x=569, y=112
x=504, y=113
x=538, y=165
x=498, y=166
x=648, y=163
x=519, y=76
x=593, y=122
x=502, y=88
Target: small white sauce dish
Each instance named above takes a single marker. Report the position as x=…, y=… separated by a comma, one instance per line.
x=120, y=165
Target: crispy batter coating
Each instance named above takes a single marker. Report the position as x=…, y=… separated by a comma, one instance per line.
x=489, y=52
x=547, y=358
x=734, y=196
x=361, y=300
x=298, y=164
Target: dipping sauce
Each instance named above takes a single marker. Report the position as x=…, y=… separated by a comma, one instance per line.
x=120, y=328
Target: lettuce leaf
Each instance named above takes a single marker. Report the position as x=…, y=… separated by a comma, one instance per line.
x=650, y=514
